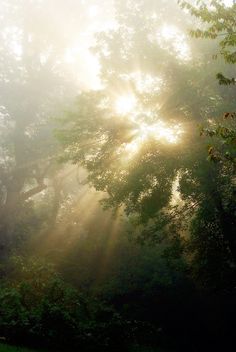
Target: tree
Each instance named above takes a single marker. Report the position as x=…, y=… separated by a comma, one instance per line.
x=34, y=87
x=219, y=21
x=117, y=134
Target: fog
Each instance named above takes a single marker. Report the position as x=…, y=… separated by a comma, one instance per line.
x=117, y=175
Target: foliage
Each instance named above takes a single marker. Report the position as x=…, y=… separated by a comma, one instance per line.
x=220, y=24
x=224, y=134
x=45, y=311
x=219, y=21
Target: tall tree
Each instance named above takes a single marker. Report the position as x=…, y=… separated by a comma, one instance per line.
x=139, y=137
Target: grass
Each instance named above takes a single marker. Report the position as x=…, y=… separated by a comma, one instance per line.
x=7, y=348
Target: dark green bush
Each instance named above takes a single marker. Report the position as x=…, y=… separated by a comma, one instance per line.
x=39, y=309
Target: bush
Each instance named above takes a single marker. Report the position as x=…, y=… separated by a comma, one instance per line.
x=39, y=309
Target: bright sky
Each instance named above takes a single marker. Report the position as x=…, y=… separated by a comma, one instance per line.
x=79, y=58
x=228, y=2
x=100, y=17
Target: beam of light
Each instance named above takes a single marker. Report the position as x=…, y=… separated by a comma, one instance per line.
x=114, y=231
x=73, y=215
x=176, y=195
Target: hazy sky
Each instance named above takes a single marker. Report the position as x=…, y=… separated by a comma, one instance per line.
x=79, y=20
x=99, y=16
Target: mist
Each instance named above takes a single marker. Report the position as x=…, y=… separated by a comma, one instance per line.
x=117, y=175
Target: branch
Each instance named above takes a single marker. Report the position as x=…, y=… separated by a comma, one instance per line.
x=32, y=192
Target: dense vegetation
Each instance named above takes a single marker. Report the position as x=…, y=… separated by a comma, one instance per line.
x=118, y=204
x=6, y=348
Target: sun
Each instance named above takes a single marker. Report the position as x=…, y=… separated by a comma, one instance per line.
x=125, y=104
x=144, y=131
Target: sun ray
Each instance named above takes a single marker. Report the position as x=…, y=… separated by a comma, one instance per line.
x=111, y=244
